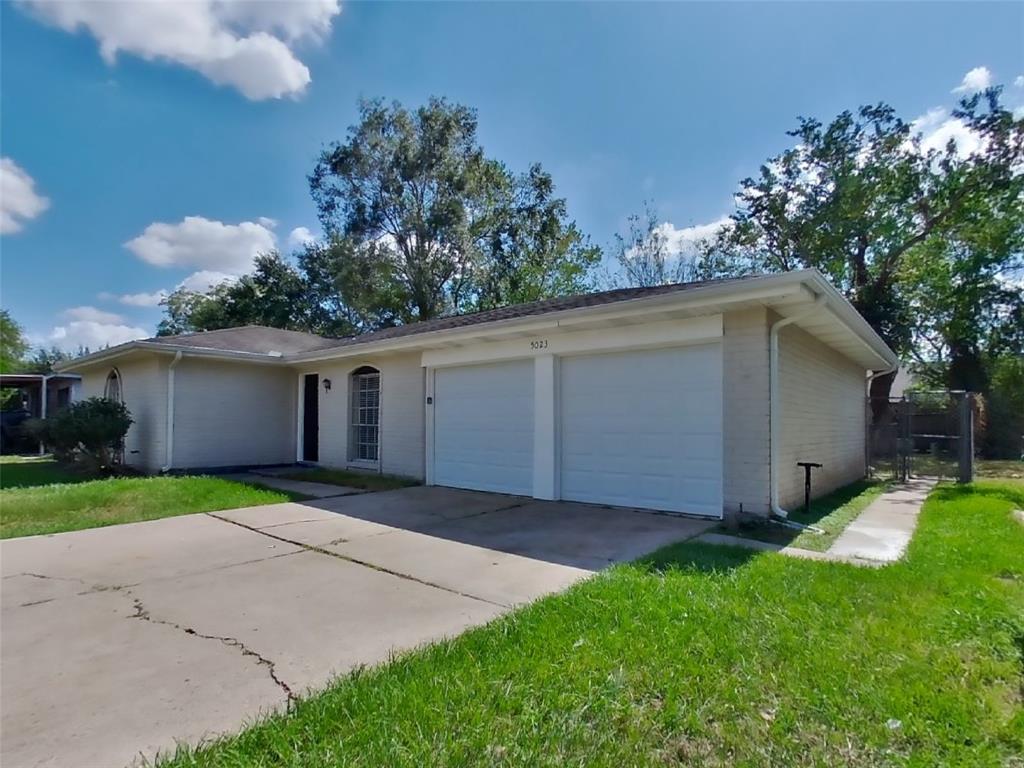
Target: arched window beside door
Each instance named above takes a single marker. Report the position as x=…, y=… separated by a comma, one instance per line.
x=112, y=390
x=364, y=443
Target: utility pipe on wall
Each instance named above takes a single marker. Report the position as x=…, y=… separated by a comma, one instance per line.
x=773, y=400
x=169, y=438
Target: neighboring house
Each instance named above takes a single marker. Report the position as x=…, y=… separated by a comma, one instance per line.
x=38, y=396
x=659, y=398
x=59, y=389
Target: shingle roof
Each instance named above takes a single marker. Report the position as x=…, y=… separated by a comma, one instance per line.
x=263, y=340
x=529, y=309
x=250, y=338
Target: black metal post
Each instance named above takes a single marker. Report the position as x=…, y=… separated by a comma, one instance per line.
x=808, y=466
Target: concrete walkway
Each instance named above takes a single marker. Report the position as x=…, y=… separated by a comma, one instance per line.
x=305, y=487
x=878, y=536
x=883, y=530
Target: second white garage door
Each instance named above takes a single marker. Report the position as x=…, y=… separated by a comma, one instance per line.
x=483, y=427
x=644, y=429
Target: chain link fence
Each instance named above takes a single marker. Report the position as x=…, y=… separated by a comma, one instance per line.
x=921, y=434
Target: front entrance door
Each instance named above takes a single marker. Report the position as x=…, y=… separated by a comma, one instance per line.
x=311, y=417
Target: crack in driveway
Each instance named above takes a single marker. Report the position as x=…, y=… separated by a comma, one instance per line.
x=142, y=613
x=356, y=561
x=45, y=577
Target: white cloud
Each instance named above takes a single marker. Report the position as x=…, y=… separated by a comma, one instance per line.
x=1018, y=81
x=142, y=299
x=92, y=334
x=978, y=79
x=683, y=240
x=19, y=201
x=204, y=280
x=300, y=236
x=211, y=247
x=91, y=314
x=937, y=127
x=246, y=45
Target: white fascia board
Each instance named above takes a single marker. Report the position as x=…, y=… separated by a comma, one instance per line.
x=846, y=313
x=121, y=350
x=561, y=340
x=756, y=289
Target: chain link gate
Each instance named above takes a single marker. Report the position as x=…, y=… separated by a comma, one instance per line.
x=921, y=434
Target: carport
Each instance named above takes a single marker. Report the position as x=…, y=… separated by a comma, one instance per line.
x=36, y=395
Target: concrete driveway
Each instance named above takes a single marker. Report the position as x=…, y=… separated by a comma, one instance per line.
x=119, y=642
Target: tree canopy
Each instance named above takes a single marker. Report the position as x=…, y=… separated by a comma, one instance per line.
x=418, y=223
x=926, y=242
x=446, y=227
x=13, y=345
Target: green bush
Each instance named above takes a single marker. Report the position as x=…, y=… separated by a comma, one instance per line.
x=90, y=432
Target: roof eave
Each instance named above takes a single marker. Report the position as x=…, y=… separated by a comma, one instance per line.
x=768, y=286
x=854, y=320
x=161, y=348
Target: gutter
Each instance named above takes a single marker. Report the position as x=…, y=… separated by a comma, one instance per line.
x=773, y=401
x=169, y=437
x=767, y=287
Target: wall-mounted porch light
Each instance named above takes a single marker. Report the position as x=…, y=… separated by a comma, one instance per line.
x=327, y=385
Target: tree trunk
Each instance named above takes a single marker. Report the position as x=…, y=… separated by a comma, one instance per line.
x=881, y=386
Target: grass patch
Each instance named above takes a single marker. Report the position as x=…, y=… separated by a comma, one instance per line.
x=711, y=656
x=831, y=513
x=30, y=471
x=60, y=507
x=926, y=465
x=364, y=480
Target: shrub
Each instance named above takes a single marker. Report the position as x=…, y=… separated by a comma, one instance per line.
x=90, y=431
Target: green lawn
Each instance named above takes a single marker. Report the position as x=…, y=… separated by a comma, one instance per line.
x=365, y=480
x=831, y=513
x=925, y=465
x=25, y=471
x=714, y=656
x=71, y=506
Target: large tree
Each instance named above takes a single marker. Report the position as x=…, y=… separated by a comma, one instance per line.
x=445, y=228
x=858, y=197
x=13, y=345
x=964, y=293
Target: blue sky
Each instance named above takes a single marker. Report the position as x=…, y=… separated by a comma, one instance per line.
x=144, y=146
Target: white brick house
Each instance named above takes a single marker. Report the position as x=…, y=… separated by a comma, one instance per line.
x=667, y=398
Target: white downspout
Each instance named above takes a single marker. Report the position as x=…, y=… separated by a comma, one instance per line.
x=773, y=400
x=169, y=441
x=43, y=394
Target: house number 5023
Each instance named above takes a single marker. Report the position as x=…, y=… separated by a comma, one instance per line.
x=539, y=344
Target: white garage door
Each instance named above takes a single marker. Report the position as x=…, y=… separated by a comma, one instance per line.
x=483, y=427
x=644, y=429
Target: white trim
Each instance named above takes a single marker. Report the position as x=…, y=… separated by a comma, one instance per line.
x=561, y=342
x=760, y=289
x=770, y=290
x=428, y=425
x=352, y=444
x=545, y=428
x=103, y=355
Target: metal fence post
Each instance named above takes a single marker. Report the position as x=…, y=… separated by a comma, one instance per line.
x=966, y=473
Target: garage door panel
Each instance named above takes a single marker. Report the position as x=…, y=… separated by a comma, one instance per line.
x=644, y=429
x=483, y=427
